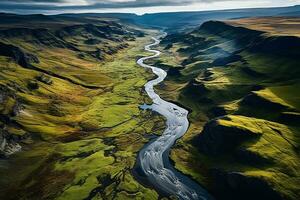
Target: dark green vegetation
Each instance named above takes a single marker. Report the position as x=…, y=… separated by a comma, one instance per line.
x=69, y=96
x=70, y=127
x=242, y=87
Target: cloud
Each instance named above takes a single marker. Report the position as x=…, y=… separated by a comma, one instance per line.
x=94, y=3
x=48, y=5
x=30, y=1
x=74, y=5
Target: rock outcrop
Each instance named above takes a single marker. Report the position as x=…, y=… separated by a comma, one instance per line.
x=17, y=54
x=8, y=146
x=9, y=108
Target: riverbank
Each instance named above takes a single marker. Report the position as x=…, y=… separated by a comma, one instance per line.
x=153, y=164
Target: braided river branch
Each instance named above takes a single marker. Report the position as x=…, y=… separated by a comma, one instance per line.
x=153, y=160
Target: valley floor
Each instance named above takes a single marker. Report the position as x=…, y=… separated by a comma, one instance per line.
x=78, y=123
x=71, y=127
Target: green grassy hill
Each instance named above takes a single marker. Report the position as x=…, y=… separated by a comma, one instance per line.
x=69, y=117
x=70, y=91
x=242, y=87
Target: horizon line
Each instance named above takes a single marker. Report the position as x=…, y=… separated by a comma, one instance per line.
x=98, y=11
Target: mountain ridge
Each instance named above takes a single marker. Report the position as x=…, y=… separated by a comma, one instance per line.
x=239, y=82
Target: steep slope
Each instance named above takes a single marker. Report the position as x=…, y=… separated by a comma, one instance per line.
x=242, y=87
x=275, y=25
x=70, y=127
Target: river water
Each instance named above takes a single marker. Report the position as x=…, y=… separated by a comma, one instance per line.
x=153, y=160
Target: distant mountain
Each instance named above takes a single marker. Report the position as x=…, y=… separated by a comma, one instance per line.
x=181, y=20
x=173, y=21
x=170, y=21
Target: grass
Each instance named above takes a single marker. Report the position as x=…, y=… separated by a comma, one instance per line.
x=269, y=96
x=287, y=93
x=86, y=159
x=79, y=139
x=254, y=92
x=272, y=25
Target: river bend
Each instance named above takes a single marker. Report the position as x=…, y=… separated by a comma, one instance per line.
x=153, y=159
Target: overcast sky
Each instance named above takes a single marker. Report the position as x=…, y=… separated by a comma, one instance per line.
x=132, y=6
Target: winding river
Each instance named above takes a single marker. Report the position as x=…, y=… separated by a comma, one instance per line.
x=153, y=160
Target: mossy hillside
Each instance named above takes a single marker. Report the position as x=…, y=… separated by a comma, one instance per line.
x=66, y=54
x=97, y=170
x=82, y=140
x=272, y=156
x=234, y=80
x=275, y=25
x=288, y=94
x=219, y=75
